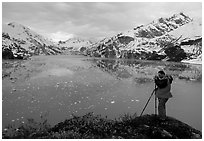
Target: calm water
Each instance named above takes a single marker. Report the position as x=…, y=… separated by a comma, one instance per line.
x=60, y=87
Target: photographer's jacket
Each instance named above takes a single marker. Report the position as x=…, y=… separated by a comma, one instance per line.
x=164, y=86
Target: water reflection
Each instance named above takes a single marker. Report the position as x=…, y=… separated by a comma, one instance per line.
x=144, y=71
x=113, y=67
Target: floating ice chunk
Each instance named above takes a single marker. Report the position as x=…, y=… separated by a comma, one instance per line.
x=57, y=85
x=112, y=102
x=13, y=120
x=14, y=89
x=5, y=129
x=193, y=79
x=105, y=108
x=137, y=100
x=90, y=106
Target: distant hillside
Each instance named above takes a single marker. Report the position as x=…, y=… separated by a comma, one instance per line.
x=154, y=41
x=20, y=42
x=74, y=44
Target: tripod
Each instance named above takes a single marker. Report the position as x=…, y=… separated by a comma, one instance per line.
x=154, y=91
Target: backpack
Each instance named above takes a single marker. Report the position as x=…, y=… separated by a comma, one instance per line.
x=170, y=78
x=162, y=83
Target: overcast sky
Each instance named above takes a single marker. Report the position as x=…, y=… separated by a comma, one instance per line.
x=90, y=20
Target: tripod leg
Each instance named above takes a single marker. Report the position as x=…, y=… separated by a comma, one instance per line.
x=155, y=105
x=155, y=102
x=147, y=103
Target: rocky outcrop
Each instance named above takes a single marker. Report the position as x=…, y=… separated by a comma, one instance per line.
x=90, y=126
x=20, y=42
x=193, y=47
x=144, y=127
x=154, y=41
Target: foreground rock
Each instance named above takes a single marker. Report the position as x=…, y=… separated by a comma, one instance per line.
x=95, y=127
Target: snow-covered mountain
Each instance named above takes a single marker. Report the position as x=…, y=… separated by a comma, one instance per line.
x=154, y=41
x=191, y=38
x=177, y=38
x=19, y=41
x=74, y=44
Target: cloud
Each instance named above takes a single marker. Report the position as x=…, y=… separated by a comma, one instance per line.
x=92, y=19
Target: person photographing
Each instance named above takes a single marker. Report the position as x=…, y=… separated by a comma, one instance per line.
x=163, y=91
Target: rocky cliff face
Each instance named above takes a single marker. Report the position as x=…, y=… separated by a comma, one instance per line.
x=154, y=41
x=20, y=42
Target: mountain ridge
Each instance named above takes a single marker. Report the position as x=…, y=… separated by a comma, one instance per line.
x=150, y=41
x=19, y=41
